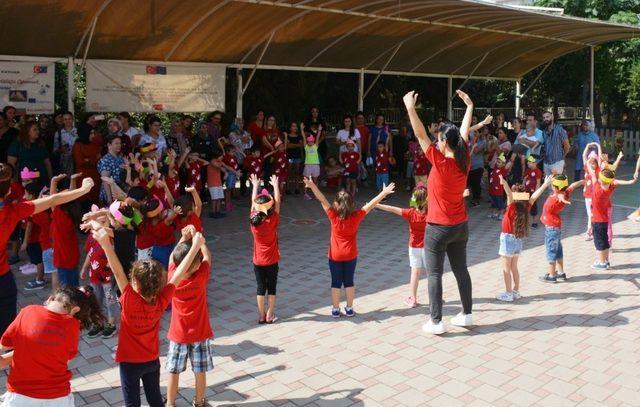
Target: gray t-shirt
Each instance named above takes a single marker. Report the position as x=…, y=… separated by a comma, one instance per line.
x=477, y=158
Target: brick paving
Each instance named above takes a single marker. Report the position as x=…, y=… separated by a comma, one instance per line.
x=573, y=343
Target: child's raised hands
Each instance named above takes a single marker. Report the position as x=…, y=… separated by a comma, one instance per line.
x=188, y=232
x=197, y=240
x=410, y=99
x=465, y=98
x=87, y=184
x=76, y=175
x=57, y=178
x=254, y=180
x=389, y=189
x=273, y=180
x=178, y=209
x=487, y=120
x=190, y=189
x=102, y=237
x=308, y=182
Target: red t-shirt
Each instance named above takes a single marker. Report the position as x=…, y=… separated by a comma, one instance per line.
x=445, y=188
x=270, y=135
x=587, y=191
x=256, y=131
x=194, y=175
x=144, y=236
x=382, y=162
x=189, y=310
x=43, y=220
x=365, y=134
x=214, y=176
x=191, y=219
x=601, y=202
x=230, y=160
x=343, y=245
x=510, y=217
x=162, y=233
x=265, y=241
x=281, y=165
x=531, y=177
x=10, y=215
x=173, y=183
x=16, y=192
x=350, y=161
x=140, y=324
x=99, y=271
x=495, y=187
x=43, y=342
x=66, y=253
x=552, y=208
x=417, y=226
x=253, y=165
x=420, y=165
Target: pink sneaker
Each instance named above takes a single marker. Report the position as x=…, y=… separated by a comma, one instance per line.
x=411, y=302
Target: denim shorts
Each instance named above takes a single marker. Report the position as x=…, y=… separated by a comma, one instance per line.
x=47, y=261
x=68, y=277
x=553, y=243
x=510, y=245
x=200, y=354
x=497, y=202
x=230, y=182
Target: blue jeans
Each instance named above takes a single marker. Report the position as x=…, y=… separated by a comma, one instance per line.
x=68, y=277
x=230, y=182
x=553, y=243
x=382, y=180
x=149, y=373
x=342, y=273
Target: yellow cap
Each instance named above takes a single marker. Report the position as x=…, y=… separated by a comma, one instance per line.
x=605, y=179
x=560, y=183
x=531, y=159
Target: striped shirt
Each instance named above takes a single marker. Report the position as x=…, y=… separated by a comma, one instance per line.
x=553, y=144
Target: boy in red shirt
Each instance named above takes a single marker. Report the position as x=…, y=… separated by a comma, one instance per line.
x=230, y=161
x=253, y=163
x=280, y=164
x=194, y=170
x=382, y=166
x=603, y=188
x=500, y=169
x=190, y=333
x=552, y=222
x=215, y=169
x=532, y=180
x=351, y=159
x=143, y=302
x=420, y=167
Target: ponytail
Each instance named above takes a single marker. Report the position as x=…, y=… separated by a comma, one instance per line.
x=90, y=313
x=456, y=143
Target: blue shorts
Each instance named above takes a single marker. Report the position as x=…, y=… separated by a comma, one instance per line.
x=47, y=260
x=161, y=254
x=230, y=182
x=342, y=273
x=68, y=277
x=34, y=252
x=553, y=243
x=497, y=202
x=510, y=245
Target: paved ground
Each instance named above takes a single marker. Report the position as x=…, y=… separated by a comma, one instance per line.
x=566, y=344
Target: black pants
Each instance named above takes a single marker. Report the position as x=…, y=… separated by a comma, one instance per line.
x=474, y=182
x=149, y=373
x=452, y=241
x=8, y=301
x=267, y=279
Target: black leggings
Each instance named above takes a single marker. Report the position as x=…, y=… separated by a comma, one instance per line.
x=267, y=279
x=8, y=300
x=452, y=241
x=474, y=182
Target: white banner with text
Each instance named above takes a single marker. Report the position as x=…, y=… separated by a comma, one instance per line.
x=27, y=86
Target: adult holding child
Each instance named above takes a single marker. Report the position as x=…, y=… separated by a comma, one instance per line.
x=447, y=231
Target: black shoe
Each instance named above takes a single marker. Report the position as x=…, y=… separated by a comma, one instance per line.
x=548, y=279
x=534, y=225
x=561, y=276
x=108, y=331
x=95, y=332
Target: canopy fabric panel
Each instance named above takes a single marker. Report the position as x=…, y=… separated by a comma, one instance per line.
x=442, y=37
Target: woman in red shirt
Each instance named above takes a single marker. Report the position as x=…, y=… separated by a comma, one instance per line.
x=343, y=246
x=448, y=230
x=10, y=215
x=417, y=218
x=264, y=220
x=44, y=339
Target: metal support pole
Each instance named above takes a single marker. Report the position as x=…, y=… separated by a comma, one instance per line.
x=239, y=93
x=592, y=83
x=449, y=98
x=517, y=114
x=71, y=87
x=361, y=91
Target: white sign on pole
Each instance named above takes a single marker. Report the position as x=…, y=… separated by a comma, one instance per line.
x=114, y=86
x=27, y=86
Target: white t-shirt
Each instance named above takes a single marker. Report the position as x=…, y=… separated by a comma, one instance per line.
x=132, y=131
x=343, y=136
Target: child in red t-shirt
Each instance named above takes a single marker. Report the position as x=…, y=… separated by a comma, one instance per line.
x=383, y=161
x=264, y=219
x=420, y=167
x=351, y=160
x=515, y=227
x=190, y=333
x=230, y=161
x=100, y=278
x=333, y=171
x=343, y=245
x=532, y=178
x=417, y=218
x=215, y=169
x=43, y=340
x=280, y=164
x=253, y=162
x=161, y=228
x=499, y=169
x=143, y=302
x=552, y=222
x=601, y=206
x=194, y=170
x=189, y=209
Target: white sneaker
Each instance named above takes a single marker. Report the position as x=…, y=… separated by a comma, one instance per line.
x=505, y=296
x=462, y=319
x=434, y=329
x=516, y=295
